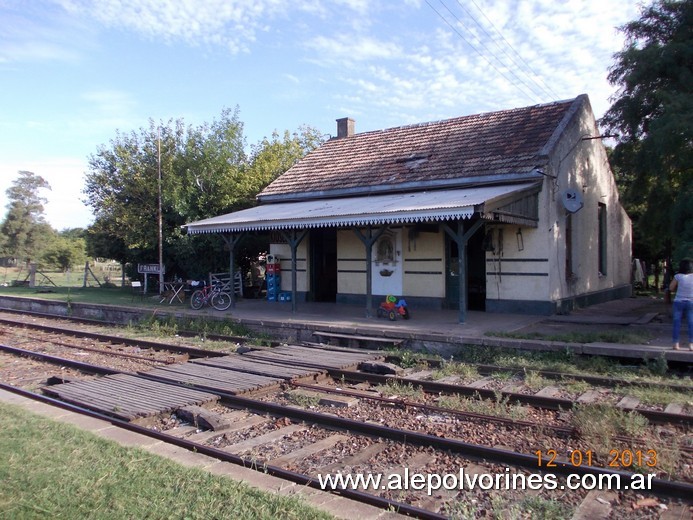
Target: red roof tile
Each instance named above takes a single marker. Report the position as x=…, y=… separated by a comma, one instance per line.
x=505, y=143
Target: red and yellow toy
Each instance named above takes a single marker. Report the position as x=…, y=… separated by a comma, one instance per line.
x=392, y=308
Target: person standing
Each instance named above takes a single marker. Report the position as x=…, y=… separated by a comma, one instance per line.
x=682, y=284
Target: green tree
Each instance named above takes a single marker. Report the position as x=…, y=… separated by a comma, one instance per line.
x=268, y=160
x=653, y=115
x=272, y=157
x=25, y=229
x=64, y=252
x=205, y=172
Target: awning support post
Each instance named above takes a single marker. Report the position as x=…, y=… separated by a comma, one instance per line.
x=231, y=240
x=461, y=237
x=368, y=241
x=294, y=238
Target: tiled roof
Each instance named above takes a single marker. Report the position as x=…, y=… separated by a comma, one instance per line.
x=503, y=145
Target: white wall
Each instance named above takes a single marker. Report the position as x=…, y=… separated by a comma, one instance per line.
x=581, y=164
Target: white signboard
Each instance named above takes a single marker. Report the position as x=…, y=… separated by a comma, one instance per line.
x=150, y=269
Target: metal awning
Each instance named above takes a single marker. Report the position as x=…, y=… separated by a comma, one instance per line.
x=399, y=208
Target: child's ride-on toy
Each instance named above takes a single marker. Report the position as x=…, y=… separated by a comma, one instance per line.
x=392, y=308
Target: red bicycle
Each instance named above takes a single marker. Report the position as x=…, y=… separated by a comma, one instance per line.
x=210, y=295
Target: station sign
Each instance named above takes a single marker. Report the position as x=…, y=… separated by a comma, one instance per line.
x=150, y=269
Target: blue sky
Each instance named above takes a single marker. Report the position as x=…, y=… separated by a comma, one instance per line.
x=72, y=72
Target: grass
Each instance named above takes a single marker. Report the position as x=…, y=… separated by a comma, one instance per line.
x=54, y=470
x=608, y=336
x=500, y=407
x=170, y=326
x=599, y=423
x=303, y=399
x=652, y=395
x=534, y=381
x=410, y=359
x=97, y=295
x=575, y=387
x=503, y=508
x=105, y=272
x=393, y=388
x=567, y=362
x=465, y=371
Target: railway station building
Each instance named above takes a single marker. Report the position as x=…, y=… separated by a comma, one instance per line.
x=509, y=211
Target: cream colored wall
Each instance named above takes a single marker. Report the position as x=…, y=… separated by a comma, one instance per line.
x=582, y=165
x=518, y=272
x=579, y=164
x=302, y=264
x=351, y=256
x=423, y=253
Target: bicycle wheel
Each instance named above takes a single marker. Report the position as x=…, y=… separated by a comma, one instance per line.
x=221, y=301
x=197, y=300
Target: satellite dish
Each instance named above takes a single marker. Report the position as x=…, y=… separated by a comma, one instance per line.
x=572, y=201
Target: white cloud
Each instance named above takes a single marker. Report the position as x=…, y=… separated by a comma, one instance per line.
x=292, y=78
x=533, y=52
x=346, y=49
x=229, y=23
x=31, y=33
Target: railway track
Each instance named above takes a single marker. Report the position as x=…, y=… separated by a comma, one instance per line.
x=297, y=438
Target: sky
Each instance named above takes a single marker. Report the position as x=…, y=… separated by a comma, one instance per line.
x=73, y=73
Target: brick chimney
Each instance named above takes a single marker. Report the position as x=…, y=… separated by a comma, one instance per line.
x=345, y=127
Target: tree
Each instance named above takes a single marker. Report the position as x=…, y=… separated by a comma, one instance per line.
x=653, y=113
x=25, y=229
x=65, y=252
x=272, y=157
x=205, y=172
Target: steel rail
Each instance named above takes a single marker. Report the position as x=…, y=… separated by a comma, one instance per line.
x=104, y=323
x=439, y=409
x=106, y=338
x=78, y=365
x=550, y=403
x=97, y=351
x=484, y=369
x=474, y=451
x=86, y=367
x=429, y=407
x=216, y=453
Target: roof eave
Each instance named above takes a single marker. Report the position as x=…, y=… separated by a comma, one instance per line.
x=504, y=178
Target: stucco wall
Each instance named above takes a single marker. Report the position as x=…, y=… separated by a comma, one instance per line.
x=351, y=264
x=580, y=163
x=521, y=270
x=424, y=263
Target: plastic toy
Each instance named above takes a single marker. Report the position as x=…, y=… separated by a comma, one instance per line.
x=392, y=308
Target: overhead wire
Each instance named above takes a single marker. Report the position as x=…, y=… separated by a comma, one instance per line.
x=545, y=86
x=521, y=85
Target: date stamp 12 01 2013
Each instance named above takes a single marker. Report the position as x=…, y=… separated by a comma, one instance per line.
x=624, y=458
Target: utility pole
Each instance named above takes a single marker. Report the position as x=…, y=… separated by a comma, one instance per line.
x=161, y=245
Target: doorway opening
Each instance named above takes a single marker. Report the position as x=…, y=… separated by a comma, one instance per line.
x=476, y=273
x=323, y=262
